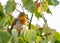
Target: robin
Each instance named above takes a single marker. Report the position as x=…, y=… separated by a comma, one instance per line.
x=19, y=22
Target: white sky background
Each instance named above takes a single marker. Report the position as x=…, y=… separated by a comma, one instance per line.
x=53, y=21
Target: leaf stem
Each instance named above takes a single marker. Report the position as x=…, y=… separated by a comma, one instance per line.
x=44, y=19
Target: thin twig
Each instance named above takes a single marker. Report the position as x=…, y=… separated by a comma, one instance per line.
x=28, y=18
x=37, y=0
x=30, y=21
x=18, y=10
x=21, y=6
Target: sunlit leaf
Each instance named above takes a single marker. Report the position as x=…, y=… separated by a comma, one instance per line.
x=1, y=12
x=29, y=5
x=4, y=36
x=44, y=41
x=2, y=15
x=15, y=36
x=38, y=7
x=23, y=33
x=38, y=40
x=51, y=38
x=1, y=23
x=30, y=36
x=10, y=6
x=53, y=2
x=9, y=20
x=57, y=36
x=44, y=5
x=39, y=31
x=47, y=29
x=32, y=26
x=37, y=15
x=22, y=36
x=20, y=39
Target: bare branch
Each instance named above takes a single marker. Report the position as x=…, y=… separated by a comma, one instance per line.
x=21, y=6
x=18, y=10
x=30, y=21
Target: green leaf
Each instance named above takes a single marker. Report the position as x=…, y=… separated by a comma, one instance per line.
x=10, y=6
x=44, y=5
x=4, y=37
x=53, y=2
x=38, y=39
x=57, y=36
x=47, y=29
x=1, y=12
x=37, y=15
x=51, y=38
x=1, y=23
x=2, y=15
x=29, y=5
x=39, y=32
x=57, y=41
x=22, y=36
x=15, y=36
x=32, y=26
x=9, y=20
x=48, y=11
x=20, y=40
x=44, y=41
x=23, y=33
x=30, y=36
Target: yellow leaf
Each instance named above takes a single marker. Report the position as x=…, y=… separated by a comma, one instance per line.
x=39, y=10
x=44, y=5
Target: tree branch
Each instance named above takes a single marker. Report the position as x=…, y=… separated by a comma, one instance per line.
x=18, y=10
x=30, y=21
x=21, y=6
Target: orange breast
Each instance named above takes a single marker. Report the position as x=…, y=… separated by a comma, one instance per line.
x=23, y=20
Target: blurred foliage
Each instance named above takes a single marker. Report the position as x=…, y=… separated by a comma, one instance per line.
x=36, y=34
x=10, y=6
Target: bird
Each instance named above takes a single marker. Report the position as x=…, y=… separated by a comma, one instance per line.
x=19, y=22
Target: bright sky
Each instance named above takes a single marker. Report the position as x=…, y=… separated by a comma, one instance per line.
x=53, y=21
